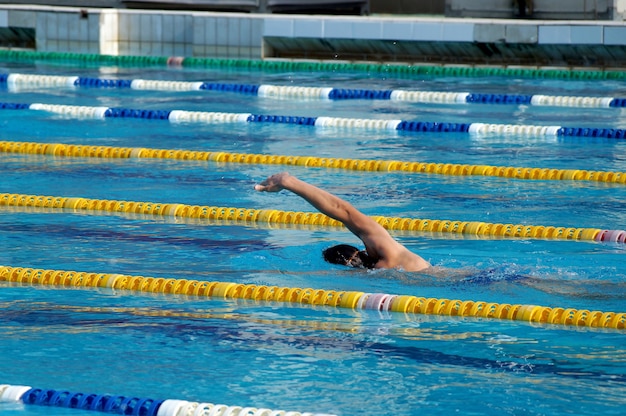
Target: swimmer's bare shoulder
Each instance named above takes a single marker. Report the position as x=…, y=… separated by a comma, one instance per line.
x=404, y=259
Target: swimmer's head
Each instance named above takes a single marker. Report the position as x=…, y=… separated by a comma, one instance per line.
x=347, y=255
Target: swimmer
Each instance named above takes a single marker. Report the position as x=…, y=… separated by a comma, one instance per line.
x=381, y=250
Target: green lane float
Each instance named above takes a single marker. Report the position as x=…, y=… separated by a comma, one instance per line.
x=404, y=70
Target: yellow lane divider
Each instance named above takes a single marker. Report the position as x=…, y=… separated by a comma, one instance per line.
x=309, y=218
x=309, y=296
x=70, y=150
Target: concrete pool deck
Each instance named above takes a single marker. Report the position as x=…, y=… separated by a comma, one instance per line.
x=432, y=40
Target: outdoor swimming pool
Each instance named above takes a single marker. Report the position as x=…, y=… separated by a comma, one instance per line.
x=312, y=358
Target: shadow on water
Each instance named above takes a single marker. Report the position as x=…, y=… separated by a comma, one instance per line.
x=246, y=332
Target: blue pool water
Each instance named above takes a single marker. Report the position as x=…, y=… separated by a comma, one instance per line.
x=312, y=358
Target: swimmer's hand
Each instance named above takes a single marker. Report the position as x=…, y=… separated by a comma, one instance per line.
x=274, y=183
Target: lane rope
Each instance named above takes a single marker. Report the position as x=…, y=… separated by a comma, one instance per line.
x=449, y=169
x=181, y=116
x=309, y=296
x=129, y=405
x=396, y=69
x=243, y=215
x=15, y=81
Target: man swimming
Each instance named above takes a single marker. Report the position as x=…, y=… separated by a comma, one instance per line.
x=381, y=250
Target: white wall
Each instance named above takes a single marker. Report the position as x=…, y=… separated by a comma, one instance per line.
x=619, y=9
x=241, y=35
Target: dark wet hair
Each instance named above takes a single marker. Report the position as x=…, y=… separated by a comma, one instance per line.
x=342, y=253
x=339, y=254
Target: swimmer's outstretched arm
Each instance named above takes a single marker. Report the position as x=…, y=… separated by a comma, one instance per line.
x=378, y=242
x=364, y=227
x=324, y=201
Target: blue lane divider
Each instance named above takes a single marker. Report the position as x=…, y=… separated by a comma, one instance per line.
x=240, y=88
x=178, y=116
x=499, y=99
x=27, y=80
x=260, y=118
x=102, y=83
x=14, y=106
x=346, y=94
x=129, y=113
x=127, y=405
x=97, y=402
